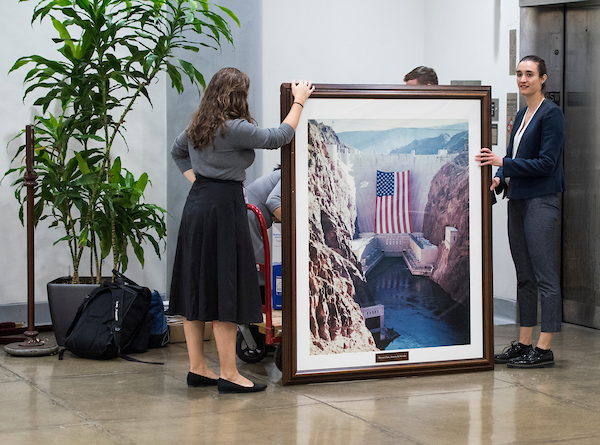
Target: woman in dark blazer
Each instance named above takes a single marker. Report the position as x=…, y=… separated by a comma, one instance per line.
x=531, y=176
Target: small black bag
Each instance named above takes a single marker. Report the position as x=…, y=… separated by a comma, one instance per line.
x=113, y=320
x=159, y=331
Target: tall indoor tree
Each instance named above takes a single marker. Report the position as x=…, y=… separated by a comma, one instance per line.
x=110, y=51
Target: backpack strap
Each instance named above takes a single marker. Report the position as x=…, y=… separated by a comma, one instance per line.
x=119, y=276
x=131, y=359
x=123, y=356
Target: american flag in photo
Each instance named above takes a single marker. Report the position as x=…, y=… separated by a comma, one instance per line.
x=393, y=202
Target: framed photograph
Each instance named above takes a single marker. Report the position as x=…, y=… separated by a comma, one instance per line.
x=386, y=230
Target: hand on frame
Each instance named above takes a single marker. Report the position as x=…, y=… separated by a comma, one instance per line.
x=488, y=157
x=302, y=90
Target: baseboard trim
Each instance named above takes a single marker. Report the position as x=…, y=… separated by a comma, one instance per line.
x=505, y=311
x=17, y=313
x=582, y=314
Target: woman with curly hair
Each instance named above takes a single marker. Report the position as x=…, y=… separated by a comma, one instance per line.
x=214, y=274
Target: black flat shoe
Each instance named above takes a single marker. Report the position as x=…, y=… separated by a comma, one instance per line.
x=227, y=387
x=200, y=380
x=535, y=358
x=514, y=350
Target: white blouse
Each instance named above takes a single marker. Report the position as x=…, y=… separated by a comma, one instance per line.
x=519, y=135
x=522, y=129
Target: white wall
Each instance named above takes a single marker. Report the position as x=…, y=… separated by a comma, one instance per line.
x=324, y=41
x=246, y=55
x=146, y=130
x=468, y=40
x=379, y=42
x=14, y=115
x=350, y=42
x=147, y=143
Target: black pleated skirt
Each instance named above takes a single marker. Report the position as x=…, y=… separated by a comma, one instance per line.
x=214, y=274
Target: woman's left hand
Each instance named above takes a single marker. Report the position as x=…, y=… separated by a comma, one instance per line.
x=488, y=157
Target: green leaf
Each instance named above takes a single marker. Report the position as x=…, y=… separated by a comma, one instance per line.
x=190, y=48
x=64, y=34
x=64, y=238
x=189, y=69
x=175, y=77
x=58, y=200
x=230, y=14
x=83, y=238
x=83, y=166
x=86, y=180
x=141, y=183
x=19, y=63
x=90, y=136
x=115, y=171
x=129, y=180
x=139, y=252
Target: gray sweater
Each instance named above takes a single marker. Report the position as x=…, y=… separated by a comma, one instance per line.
x=228, y=157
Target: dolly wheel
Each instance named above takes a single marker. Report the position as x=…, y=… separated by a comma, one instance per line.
x=245, y=353
x=278, y=356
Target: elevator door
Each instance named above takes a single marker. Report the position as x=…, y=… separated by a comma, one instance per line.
x=581, y=201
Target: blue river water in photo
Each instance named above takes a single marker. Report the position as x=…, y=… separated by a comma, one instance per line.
x=417, y=308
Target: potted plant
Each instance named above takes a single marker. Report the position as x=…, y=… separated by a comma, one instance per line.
x=109, y=53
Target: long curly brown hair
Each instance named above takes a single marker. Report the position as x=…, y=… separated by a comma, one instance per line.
x=225, y=98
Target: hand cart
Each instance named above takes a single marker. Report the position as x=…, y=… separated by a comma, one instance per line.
x=253, y=341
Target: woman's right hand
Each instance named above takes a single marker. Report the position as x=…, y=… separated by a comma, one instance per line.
x=302, y=90
x=495, y=183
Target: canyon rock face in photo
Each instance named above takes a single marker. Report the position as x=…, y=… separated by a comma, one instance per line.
x=335, y=275
x=448, y=205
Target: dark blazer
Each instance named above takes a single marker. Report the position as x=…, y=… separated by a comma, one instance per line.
x=537, y=170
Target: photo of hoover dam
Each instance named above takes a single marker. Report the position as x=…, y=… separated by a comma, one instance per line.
x=389, y=235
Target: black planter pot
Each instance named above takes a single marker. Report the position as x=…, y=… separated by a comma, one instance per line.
x=64, y=299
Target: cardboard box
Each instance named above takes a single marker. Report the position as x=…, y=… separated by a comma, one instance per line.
x=176, y=333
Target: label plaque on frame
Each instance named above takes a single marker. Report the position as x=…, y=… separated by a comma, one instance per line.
x=391, y=357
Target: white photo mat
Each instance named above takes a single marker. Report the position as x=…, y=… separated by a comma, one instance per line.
x=387, y=109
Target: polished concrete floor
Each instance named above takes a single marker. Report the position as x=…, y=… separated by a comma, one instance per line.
x=77, y=401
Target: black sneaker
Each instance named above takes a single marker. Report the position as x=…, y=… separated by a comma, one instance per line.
x=515, y=350
x=535, y=358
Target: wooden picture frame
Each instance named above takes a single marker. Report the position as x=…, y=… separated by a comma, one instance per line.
x=333, y=228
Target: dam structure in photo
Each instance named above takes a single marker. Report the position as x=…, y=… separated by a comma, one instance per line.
x=408, y=232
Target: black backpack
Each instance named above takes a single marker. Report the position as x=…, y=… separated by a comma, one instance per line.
x=113, y=320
